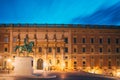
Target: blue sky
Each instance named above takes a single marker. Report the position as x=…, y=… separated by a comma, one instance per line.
x=103, y=12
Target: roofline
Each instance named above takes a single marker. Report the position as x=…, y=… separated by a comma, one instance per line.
x=62, y=26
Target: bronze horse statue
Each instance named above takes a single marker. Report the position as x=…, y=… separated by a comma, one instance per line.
x=26, y=47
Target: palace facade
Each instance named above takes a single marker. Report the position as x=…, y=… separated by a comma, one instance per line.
x=91, y=48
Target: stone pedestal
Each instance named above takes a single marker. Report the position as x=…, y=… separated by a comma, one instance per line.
x=23, y=66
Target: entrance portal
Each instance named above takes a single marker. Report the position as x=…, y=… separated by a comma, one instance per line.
x=40, y=64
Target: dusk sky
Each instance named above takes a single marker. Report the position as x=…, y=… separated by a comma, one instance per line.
x=101, y=12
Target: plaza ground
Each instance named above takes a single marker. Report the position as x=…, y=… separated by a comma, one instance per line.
x=57, y=76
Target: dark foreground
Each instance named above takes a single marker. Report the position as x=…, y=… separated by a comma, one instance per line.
x=62, y=76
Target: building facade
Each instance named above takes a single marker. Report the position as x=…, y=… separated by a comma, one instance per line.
x=64, y=47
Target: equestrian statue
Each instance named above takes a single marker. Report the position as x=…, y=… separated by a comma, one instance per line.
x=27, y=47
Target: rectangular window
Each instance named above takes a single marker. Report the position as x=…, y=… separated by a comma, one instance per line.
x=66, y=40
x=117, y=41
x=13, y=49
x=92, y=40
x=109, y=65
x=74, y=40
x=118, y=63
x=66, y=50
x=75, y=50
x=84, y=64
x=40, y=49
x=83, y=50
x=117, y=50
x=101, y=64
x=100, y=40
x=58, y=49
x=49, y=49
x=92, y=50
x=83, y=40
x=14, y=39
x=101, y=50
x=6, y=39
x=109, y=50
x=6, y=50
x=109, y=40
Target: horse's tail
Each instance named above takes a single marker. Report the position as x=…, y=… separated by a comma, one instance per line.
x=16, y=48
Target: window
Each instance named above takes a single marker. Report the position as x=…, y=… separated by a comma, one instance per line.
x=58, y=49
x=58, y=61
x=109, y=40
x=49, y=49
x=74, y=40
x=75, y=65
x=13, y=49
x=101, y=64
x=92, y=50
x=6, y=39
x=26, y=35
x=101, y=50
x=117, y=41
x=50, y=61
x=117, y=50
x=83, y=40
x=83, y=49
x=66, y=49
x=100, y=40
x=5, y=49
x=66, y=40
x=75, y=50
x=40, y=49
x=92, y=40
x=118, y=63
x=109, y=65
x=109, y=50
x=66, y=64
x=83, y=63
x=14, y=39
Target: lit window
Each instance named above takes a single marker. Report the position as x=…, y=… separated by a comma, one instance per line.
x=66, y=40
x=74, y=40
x=58, y=49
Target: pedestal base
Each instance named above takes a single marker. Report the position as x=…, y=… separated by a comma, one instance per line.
x=23, y=66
